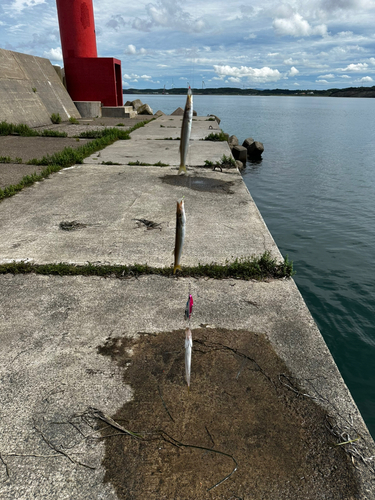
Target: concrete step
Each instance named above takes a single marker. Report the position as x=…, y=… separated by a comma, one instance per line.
x=118, y=111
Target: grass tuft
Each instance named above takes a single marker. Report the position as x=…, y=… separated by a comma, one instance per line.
x=144, y=164
x=11, y=129
x=216, y=136
x=56, y=118
x=224, y=162
x=8, y=159
x=53, y=133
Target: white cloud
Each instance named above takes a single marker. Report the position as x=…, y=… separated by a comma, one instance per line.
x=234, y=79
x=372, y=60
x=330, y=75
x=54, y=54
x=130, y=50
x=293, y=71
x=19, y=5
x=356, y=67
x=168, y=14
x=132, y=77
x=321, y=81
x=297, y=26
x=366, y=79
x=345, y=33
x=146, y=77
x=162, y=66
x=345, y=76
x=250, y=37
x=253, y=74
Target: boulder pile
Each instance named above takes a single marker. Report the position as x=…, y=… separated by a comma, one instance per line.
x=250, y=149
x=139, y=107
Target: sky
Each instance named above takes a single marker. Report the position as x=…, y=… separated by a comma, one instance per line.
x=300, y=44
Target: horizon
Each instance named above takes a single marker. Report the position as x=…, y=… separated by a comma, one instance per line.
x=310, y=44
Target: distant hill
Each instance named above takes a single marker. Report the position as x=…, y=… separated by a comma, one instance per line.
x=354, y=92
x=347, y=92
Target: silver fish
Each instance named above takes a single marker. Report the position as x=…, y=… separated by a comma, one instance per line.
x=180, y=235
x=185, y=131
x=188, y=350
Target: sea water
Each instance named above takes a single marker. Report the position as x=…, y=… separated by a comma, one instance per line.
x=315, y=188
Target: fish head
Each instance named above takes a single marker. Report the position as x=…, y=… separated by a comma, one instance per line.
x=180, y=206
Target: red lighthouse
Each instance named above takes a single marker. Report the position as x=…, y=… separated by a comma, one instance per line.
x=88, y=77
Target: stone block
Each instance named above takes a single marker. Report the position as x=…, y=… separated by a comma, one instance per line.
x=233, y=141
x=255, y=149
x=239, y=153
x=145, y=110
x=118, y=112
x=89, y=109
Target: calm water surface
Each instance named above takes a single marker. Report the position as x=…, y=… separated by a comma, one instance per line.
x=315, y=188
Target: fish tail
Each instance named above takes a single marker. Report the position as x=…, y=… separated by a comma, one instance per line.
x=175, y=268
x=182, y=169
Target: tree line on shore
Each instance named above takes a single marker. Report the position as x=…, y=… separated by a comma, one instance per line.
x=334, y=92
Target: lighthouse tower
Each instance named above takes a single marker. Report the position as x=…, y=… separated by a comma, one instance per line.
x=88, y=77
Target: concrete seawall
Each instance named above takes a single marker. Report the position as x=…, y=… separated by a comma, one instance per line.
x=31, y=91
x=55, y=329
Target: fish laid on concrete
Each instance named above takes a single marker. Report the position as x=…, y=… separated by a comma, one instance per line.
x=185, y=131
x=188, y=350
x=180, y=234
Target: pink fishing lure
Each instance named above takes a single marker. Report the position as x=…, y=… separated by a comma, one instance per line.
x=189, y=307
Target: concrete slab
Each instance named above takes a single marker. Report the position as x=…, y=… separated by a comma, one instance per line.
x=89, y=124
x=118, y=112
x=51, y=370
x=28, y=148
x=51, y=327
x=223, y=221
x=153, y=151
x=170, y=126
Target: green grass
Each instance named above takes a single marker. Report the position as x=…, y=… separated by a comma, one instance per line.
x=73, y=120
x=259, y=268
x=52, y=133
x=224, y=162
x=56, y=118
x=106, y=132
x=144, y=164
x=25, y=131
x=22, y=130
x=8, y=159
x=216, y=136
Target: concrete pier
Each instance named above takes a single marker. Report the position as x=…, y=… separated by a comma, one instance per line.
x=54, y=328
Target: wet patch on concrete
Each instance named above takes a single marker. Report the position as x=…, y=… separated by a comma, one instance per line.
x=199, y=183
x=237, y=405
